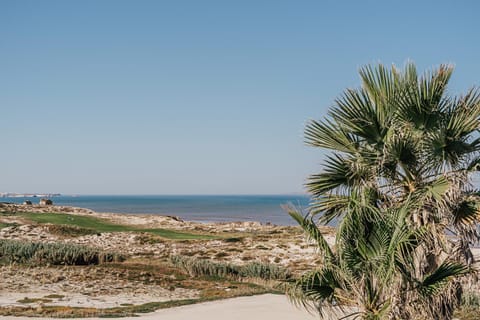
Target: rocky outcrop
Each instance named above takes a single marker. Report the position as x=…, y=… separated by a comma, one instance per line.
x=46, y=202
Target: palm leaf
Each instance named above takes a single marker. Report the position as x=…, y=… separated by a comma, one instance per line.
x=330, y=207
x=312, y=232
x=330, y=136
x=434, y=282
x=463, y=115
x=338, y=172
x=356, y=113
x=466, y=212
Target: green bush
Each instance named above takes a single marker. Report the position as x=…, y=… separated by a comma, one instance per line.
x=203, y=267
x=12, y=251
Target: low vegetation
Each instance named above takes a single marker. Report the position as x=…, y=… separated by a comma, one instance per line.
x=470, y=306
x=203, y=267
x=12, y=251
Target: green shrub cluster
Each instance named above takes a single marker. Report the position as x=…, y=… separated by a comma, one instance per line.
x=12, y=251
x=203, y=267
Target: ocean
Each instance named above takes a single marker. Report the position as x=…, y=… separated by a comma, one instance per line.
x=210, y=208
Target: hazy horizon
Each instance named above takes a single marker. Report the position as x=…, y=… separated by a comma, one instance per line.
x=159, y=194
x=197, y=97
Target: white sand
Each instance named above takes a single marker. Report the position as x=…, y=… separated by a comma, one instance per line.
x=262, y=307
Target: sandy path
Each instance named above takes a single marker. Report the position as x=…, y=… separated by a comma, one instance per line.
x=262, y=307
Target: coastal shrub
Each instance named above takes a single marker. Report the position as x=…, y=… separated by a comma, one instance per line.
x=69, y=231
x=13, y=251
x=265, y=271
x=204, y=267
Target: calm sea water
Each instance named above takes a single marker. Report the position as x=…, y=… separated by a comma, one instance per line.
x=194, y=208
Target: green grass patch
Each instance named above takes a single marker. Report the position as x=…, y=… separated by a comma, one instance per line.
x=176, y=235
x=98, y=225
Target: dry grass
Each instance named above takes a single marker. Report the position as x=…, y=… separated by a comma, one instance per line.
x=12, y=251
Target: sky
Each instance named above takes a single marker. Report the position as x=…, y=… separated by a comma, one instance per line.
x=197, y=97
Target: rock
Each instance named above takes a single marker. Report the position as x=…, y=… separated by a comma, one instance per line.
x=46, y=202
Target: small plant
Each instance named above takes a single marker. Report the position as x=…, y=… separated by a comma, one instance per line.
x=69, y=231
x=27, y=300
x=146, y=238
x=233, y=239
x=221, y=254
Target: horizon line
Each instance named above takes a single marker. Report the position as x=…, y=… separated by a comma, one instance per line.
x=159, y=194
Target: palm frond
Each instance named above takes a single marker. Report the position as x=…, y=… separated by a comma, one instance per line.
x=313, y=233
x=339, y=172
x=400, y=156
x=434, y=189
x=463, y=115
x=380, y=84
x=421, y=101
x=434, y=282
x=317, y=290
x=329, y=207
x=356, y=113
x=330, y=136
x=473, y=164
x=466, y=212
x=432, y=86
x=443, y=151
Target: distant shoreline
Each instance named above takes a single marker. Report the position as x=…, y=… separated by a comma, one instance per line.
x=209, y=208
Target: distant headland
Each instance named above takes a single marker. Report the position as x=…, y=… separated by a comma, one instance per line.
x=28, y=195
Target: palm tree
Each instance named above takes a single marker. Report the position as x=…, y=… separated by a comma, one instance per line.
x=373, y=268
x=400, y=138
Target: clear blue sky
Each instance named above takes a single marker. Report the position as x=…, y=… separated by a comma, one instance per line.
x=197, y=97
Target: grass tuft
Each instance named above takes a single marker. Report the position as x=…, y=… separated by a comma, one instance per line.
x=203, y=267
x=13, y=251
x=470, y=306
